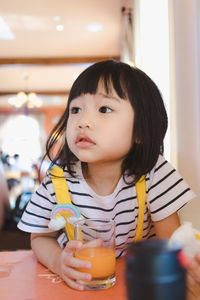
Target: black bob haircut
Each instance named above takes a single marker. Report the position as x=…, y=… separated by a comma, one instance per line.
x=150, y=123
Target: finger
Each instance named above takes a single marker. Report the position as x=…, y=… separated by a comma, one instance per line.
x=193, y=267
x=193, y=288
x=72, y=246
x=74, y=274
x=76, y=262
x=73, y=284
x=197, y=257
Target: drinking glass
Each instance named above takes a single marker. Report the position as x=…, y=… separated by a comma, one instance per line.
x=98, y=238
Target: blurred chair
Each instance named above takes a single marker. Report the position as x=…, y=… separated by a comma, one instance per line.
x=10, y=238
x=4, y=197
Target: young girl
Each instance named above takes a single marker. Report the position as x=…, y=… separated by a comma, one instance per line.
x=110, y=134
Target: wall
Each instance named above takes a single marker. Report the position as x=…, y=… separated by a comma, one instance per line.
x=172, y=59
x=151, y=48
x=185, y=96
x=51, y=115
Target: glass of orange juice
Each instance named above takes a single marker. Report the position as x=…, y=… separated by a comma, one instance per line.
x=98, y=238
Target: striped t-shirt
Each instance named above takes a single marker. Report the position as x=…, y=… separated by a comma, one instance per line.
x=166, y=193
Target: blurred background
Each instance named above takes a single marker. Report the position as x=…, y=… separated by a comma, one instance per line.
x=46, y=44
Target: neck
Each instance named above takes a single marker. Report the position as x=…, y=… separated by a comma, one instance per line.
x=102, y=178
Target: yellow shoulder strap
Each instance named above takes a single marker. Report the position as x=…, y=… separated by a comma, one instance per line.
x=60, y=185
x=62, y=194
x=141, y=197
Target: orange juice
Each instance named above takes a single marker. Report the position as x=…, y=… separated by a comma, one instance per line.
x=102, y=260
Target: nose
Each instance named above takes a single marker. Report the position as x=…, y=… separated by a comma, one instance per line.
x=83, y=125
x=84, y=121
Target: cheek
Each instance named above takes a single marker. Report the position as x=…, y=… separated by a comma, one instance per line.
x=120, y=136
x=128, y=135
x=127, y=129
x=68, y=133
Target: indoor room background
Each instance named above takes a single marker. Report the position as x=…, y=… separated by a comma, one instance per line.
x=46, y=45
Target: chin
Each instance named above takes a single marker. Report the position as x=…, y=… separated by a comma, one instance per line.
x=89, y=161
x=85, y=159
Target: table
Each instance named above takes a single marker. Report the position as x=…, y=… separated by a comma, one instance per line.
x=23, y=278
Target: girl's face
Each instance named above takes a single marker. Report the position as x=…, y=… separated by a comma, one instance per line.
x=100, y=127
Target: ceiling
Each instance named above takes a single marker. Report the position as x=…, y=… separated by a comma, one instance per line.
x=40, y=58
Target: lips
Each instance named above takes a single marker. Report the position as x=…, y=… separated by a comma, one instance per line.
x=83, y=140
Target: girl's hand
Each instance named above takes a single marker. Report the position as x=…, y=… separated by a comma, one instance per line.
x=193, y=267
x=193, y=277
x=67, y=263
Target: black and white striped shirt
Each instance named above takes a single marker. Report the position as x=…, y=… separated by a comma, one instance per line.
x=166, y=193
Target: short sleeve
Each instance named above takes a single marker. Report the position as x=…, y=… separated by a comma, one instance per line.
x=167, y=191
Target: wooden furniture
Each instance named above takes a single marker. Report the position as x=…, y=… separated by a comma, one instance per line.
x=4, y=196
x=15, y=239
x=22, y=277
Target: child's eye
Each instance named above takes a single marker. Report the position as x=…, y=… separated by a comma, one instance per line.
x=75, y=110
x=105, y=109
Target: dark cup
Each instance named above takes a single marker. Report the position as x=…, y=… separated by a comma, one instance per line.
x=154, y=271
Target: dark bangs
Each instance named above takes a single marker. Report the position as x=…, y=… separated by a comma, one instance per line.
x=110, y=73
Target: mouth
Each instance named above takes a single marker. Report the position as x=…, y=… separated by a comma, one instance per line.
x=83, y=140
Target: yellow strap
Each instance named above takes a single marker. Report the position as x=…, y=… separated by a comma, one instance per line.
x=60, y=185
x=62, y=194
x=141, y=196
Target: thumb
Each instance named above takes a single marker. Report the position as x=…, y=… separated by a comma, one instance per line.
x=73, y=246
